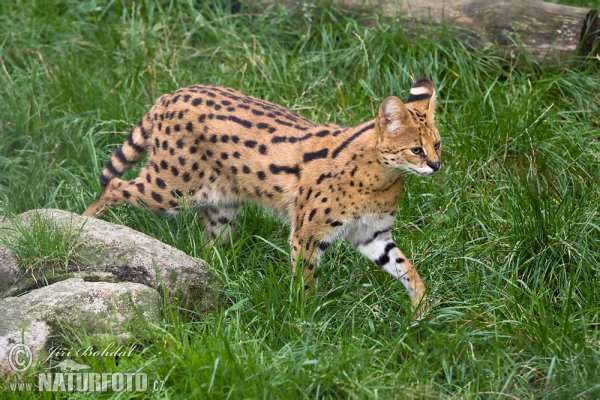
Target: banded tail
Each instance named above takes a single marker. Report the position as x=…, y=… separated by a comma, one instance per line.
x=126, y=156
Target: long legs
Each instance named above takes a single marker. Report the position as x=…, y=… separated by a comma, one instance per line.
x=379, y=247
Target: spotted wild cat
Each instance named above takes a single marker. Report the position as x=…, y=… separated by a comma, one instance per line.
x=217, y=147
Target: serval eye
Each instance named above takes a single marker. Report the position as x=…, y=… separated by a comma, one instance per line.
x=437, y=145
x=417, y=150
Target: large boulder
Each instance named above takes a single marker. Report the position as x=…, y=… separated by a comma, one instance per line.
x=118, y=278
x=98, y=308
x=129, y=255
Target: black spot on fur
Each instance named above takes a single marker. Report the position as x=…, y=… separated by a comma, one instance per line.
x=308, y=157
x=389, y=246
x=301, y=138
x=276, y=169
x=324, y=245
x=323, y=177
x=243, y=122
x=385, y=258
x=157, y=197
x=267, y=127
x=284, y=123
x=375, y=234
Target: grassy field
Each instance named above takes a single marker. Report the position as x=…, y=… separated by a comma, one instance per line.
x=506, y=236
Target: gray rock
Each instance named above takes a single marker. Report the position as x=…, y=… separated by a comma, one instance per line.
x=95, y=307
x=8, y=268
x=131, y=256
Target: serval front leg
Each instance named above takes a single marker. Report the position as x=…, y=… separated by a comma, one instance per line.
x=379, y=246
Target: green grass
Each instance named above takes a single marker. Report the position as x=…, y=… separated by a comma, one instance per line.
x=39, y=244
x=506, y=236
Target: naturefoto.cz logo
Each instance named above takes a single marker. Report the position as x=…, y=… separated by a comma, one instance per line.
x=93, y=382
x=70, y=376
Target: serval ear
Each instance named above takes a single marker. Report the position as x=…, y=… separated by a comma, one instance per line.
x=422, y=100
x=392, y=115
